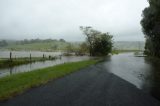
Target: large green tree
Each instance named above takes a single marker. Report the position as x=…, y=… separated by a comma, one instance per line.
x=98, y=43
x=151, y=27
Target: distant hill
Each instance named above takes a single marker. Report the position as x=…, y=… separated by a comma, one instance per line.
x=129, y=45
x=61, y=44
x=36, y=44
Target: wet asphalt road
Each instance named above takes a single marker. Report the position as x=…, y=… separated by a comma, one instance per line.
x=93, y=86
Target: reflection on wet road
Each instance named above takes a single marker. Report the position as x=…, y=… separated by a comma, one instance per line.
x=136, y=70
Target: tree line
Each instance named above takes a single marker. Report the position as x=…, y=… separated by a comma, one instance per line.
x=151, y=28
x=97, y=43
x=29, y=41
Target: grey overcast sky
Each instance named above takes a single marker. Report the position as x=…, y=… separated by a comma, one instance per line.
x=20, y=19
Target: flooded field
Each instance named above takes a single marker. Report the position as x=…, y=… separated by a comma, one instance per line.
x=42, y=64
x=16, y=54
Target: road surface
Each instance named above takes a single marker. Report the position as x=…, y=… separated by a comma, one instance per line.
x=92, y=86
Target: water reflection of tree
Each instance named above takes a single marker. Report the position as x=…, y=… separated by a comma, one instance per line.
x=11, y=70
x=155, y=79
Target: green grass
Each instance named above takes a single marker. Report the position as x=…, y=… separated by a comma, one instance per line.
x=42, y=46
x=125, y=51
x=18, y=83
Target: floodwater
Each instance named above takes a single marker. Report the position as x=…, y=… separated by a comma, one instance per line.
x=16, y=54
x=143, y=72
x=42, y=64
x=140, y=71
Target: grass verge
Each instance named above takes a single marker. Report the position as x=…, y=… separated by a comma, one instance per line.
x=18, y=83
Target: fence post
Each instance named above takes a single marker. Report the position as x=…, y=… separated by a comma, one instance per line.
x=10, y=56
x=30, y=57
x=43, y=56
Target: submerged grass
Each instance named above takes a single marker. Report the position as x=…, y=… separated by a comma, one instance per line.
x=5, y=63
x=18, y=83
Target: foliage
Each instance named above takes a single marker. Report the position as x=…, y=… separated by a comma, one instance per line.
x=32, y=41
x=69, y=48
x=62, y=40
x=151, y=28
x=3, y=43
x=98, y=43
x=83, y=49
